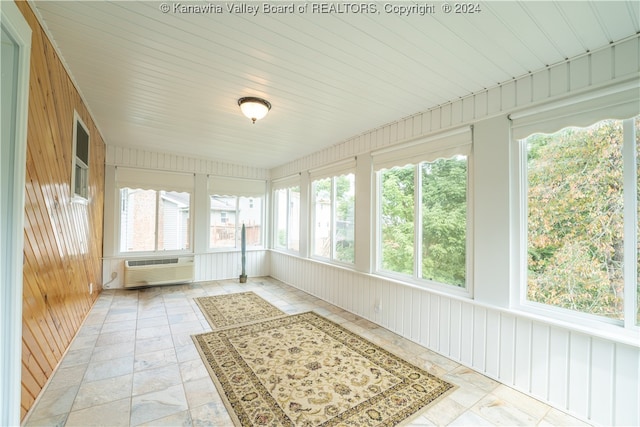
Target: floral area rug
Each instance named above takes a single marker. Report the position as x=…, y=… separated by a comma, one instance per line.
x=222, y=311
x=305, y=370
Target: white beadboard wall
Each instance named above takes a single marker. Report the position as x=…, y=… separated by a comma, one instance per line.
x=604, y=66
x=592, y=378
x=587, y=375
x=208, y=265
x=143, y=159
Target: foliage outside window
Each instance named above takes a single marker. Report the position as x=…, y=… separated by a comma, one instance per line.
x=287, y=218
x=575, y=218
x=333, y=218
x=227, y=214
x=435, y=216
x=154, y=221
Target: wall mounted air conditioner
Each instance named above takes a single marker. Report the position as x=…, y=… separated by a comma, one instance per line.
x=157, y=271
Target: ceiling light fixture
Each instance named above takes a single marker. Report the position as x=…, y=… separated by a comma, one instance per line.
x=254, y=108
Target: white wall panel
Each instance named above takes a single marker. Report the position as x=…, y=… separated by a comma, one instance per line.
x=467, y=335
x=119, y=156
x=579, y=388
x=558, y=80
x=540, y=360
x=566, y=368
x=558, y=366
x=627, y=386
x=579, y=73
x=434, y=321
x=602, y=378
x=524, y=90
x=455, y=330
x=479, y=338
x=444, y=322
x=523, y=354
x=622, y=54
x=492, y=351
x=507, y=336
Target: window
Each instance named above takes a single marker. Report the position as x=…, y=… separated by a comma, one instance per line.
x=228, y=213
x=435, y=216
x=153, y=221
x=423, y=209
x=333, y=218
x=397, y=219
x=233, y=202
x=286, y=202
x=582, y=219
x=80, y=170
x=155, y=210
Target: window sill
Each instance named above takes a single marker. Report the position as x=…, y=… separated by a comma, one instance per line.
x=591, y=325
x=79, y=200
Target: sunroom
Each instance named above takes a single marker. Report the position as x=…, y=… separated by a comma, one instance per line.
x=457, y=182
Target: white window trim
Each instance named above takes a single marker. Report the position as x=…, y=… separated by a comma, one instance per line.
x=237, y=247
x=414, y=278
x=140, y=254
x=341, y=169
x=284, y=184
x=444, y=145
x=157, y=180
x=75, y=197
x=624, y=331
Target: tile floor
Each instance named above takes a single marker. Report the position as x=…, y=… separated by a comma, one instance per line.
x=133, y=363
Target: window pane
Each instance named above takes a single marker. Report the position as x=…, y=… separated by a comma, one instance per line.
x=575, y=224
x=397, y=219
x=222, y=233
x=250, y=214
x=137, y=220
x=280, y=203
x=321, y=191
x=638, y=218
x=173, y=221
x=82, y=144
x=444, y=220
x=344, y=214
x=293, y=226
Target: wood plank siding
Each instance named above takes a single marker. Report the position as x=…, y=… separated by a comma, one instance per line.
x=63, y=239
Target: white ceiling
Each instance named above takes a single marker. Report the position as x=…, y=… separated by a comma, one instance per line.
x=170, y=82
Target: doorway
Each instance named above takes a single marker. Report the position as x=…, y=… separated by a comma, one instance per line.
x=15, y=51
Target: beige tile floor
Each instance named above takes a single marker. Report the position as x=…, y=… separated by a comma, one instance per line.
x=133, y=363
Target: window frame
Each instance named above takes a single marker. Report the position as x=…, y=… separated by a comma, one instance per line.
x=287, y=185
x=332, y=216
x=77, y=162
x=444, y=145
x=157, y=180
x=624, y=328
x=237, y=247
x=415, y=277
x=155, y=251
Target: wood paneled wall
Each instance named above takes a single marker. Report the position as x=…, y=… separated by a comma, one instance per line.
x=63, y=239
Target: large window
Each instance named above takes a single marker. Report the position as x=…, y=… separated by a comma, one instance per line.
x=333, y=218
x=233, y=202
x=423, y=210
x=286, y=202
x=228, y=213
x=582, y=218
x=435, y=216
x=154, y=221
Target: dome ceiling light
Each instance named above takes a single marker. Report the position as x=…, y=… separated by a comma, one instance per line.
x=254, y=108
